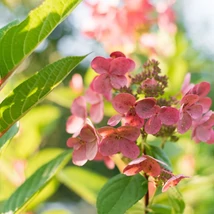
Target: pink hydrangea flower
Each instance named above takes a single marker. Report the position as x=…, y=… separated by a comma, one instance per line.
x=79, y=113
x=203, y=129
x=124, y=104
x=112, y=73
x=145, y=163
x=173, y=181
x=85, y=145
x=97, y=106
x=120, y=139
x=194, y=104
x=156, y=115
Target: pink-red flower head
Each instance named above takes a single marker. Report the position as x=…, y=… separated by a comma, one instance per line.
x=156, y=115
x=120, y=139
x=112, y=73
x=146, y=163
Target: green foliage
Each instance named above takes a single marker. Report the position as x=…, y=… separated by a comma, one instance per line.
x=120, y=193
x=34, y=184
x=20, y=40
x=8, y=135
x=7, y=27
x=33, y=90
x=176, y=200
x=85, y=183
x=159, y=154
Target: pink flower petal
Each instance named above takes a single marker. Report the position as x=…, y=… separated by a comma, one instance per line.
x=189, y=99
x=123, y=102
x=184, y=123
x=146, y=108
x=97, y=112
x=92, y=96
x=145, y=163
x=134, y=169
x=107, y=130
x=109, y=162
x=132, y=119
x=91, y=150
x=78, y=107
x=211, y=140
x=206, y=103
x=195, y=111
x=186, y=84
x=101, y=65
x=74, y=124
x=129, y=132
x=87, y=134
x=121, y=65
x=169, y=115
x=129, y=149
x=173, y=181
x=203, y=133
x=73, y=143
x=153, y=125
x=79, y=156
x=102, y=85
x=151, y=167
x=202, y=89
x=210, y=121
x=114, y=120
x=117, y=54
x=117, y=81
x=109, y=146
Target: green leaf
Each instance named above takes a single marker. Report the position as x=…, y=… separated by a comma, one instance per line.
x=19, y=41
x=120, y=193
x=160, y=209
x=176, y=200
x=35, y=183
x=33, y=90
x=138, y=208
x=85, y=183
x=9, y=135
x=159, y=154
x=7, y=27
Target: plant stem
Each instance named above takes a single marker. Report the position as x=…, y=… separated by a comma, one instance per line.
x=146, y=197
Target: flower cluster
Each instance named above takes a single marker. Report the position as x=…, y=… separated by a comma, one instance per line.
x=123, y=25
x=141, y=110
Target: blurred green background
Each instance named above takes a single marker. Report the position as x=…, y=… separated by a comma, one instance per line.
x=42, y=134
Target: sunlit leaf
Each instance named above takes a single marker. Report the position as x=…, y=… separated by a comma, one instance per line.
x=85, y=183
x=19, y=41
x=120, y=193
x=9, y=135
x=34, y=163
x=33, y=90
x=22, y=196
x=7, y=27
